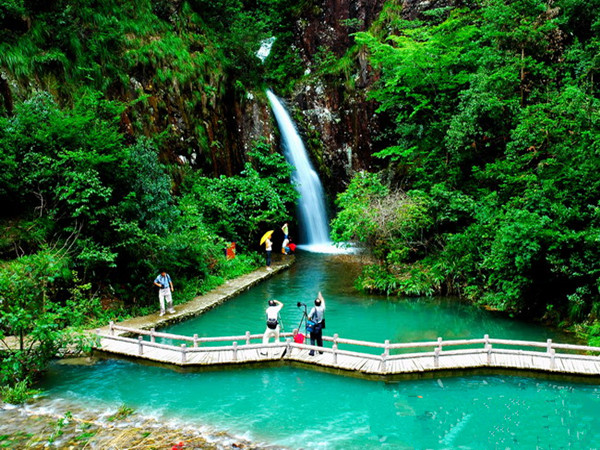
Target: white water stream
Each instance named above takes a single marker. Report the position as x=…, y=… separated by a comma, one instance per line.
x=312, y=216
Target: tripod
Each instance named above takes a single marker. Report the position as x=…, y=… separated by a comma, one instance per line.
x=304, y=317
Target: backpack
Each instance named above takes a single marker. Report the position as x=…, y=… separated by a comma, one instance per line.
x=272, y=323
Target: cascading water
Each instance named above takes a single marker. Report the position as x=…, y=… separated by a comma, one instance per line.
x=311, y=205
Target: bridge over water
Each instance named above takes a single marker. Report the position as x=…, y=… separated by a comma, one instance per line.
x=359, y=357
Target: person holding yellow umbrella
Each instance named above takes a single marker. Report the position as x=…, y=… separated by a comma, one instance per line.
x=266, y=239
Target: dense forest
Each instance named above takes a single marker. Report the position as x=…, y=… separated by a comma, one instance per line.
x=136, y=136
x=490, y=187
x=104, y=105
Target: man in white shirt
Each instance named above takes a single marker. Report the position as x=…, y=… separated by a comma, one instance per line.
x=163, y=281
x=272, y=329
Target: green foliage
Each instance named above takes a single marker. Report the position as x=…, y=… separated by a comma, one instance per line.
x=69, y=157
x=241, y=207
x=495, y=122
x=17, y=394
x=11, y=12
x=100, y=219
x=284, y=65
x=91, y=210
x=149, y=199
x=178, y=62
x=58, y=427
x=417, y=280
x=123, y=412
x=226, y=270
x=32, y=316
x=591, y=332
x=390, y=222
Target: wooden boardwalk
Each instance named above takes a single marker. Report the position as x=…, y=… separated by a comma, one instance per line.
x=370, y=358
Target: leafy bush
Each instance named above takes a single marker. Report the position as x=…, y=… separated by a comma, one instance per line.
x=239, y=208
x=18, y=393
x=390, y=222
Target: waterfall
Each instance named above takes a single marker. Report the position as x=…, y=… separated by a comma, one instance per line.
x=311, y=205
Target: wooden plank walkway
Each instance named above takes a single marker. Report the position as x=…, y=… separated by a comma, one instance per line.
x=444, y=355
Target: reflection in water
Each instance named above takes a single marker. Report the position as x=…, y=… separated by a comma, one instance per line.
x=301, y=408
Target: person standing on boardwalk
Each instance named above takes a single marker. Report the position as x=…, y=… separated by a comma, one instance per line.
x=272, y=329
x=285, y=230
x=317, y=315
x=165, y=285
x=286, y=240
x=268, y=250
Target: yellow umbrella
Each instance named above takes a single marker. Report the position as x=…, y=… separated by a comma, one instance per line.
x=266, y=236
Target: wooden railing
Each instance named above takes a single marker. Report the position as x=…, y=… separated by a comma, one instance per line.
x=194, y=340
x=439, y=348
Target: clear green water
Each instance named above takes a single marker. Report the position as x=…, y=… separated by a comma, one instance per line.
x=301, y=408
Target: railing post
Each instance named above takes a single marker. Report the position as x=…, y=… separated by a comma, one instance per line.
x=436, y=353
x=488, y=349
x=183, y=353
x=552, y=354
x=152, y=337
x=385, y=354
x=111, y=328
x=235, y=350
x=247, y=338
x=334, y=347
x=140, y=345
x=195, y=339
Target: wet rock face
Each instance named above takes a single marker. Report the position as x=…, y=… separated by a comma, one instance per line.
x=213, y=134
x=328, y=24
x=339, y=124
x=413, y=9
x=340, y=131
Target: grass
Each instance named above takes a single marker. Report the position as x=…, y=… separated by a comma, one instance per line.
x=123, y=412
x=14, y=440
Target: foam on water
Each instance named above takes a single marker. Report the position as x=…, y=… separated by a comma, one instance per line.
x=329, y=249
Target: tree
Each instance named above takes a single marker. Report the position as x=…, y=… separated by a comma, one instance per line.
x=240, y=207
x=29, y=312
x=496, y=123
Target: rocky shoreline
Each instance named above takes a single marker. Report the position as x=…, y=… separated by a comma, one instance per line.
x=37, y=425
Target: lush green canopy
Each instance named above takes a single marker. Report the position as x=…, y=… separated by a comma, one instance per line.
x=496, y=157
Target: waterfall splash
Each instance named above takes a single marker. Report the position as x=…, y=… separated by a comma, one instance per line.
x=265, y=48
x=311, y=206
